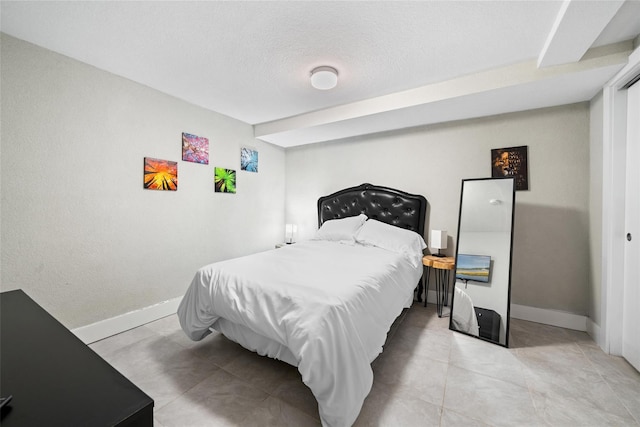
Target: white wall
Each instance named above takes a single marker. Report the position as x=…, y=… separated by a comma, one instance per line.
x=79, y=233
x=551, y=240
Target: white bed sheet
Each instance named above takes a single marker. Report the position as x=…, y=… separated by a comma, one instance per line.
x=329, y=305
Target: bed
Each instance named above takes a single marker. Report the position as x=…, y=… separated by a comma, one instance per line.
x=324, y=305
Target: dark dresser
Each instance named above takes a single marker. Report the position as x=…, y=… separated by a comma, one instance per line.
x=489, y=323
x=55, y=379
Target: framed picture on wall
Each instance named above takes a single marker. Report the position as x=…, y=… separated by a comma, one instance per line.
x=249, y=160
x=160, y=174
x=195, y=149
x=513, y=162
x=225, y=180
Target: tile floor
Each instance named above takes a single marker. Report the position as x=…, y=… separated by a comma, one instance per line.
x=427, y=376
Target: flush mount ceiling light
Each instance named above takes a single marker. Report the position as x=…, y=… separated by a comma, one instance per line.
x=324, y=78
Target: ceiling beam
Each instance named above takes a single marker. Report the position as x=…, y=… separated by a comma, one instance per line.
x=453, y=99
x=578, y=24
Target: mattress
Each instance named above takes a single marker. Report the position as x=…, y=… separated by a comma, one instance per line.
x=322, y=306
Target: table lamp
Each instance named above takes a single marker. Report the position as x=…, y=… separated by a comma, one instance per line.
x=439, y=241
x=290, y=231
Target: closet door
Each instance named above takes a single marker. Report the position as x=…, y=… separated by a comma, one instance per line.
x=631, y=305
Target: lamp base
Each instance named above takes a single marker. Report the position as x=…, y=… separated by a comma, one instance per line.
x=439, y=255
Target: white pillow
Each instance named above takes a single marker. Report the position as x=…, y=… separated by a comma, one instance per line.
x=341, y=229
x=394, y=239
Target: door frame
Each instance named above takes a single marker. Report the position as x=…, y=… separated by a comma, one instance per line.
x=613, y=205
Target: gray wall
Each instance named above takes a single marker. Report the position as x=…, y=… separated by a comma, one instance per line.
x=551, y=250
x=79, y=233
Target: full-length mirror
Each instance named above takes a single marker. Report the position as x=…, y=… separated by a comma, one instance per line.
x=481, y=296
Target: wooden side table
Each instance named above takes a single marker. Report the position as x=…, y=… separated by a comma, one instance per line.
x=442, y=267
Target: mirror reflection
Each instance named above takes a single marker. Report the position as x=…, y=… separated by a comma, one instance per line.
x=480, y=305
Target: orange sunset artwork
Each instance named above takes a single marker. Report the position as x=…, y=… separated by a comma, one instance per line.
x=160, y=174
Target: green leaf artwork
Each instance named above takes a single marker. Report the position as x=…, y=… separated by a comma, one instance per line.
x=225, y=180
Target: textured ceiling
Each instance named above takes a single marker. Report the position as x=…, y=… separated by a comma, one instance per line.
x=251, y=60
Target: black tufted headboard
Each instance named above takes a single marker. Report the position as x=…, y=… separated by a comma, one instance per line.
x=384, y=204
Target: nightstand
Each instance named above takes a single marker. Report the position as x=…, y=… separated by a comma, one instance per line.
x=442, y=267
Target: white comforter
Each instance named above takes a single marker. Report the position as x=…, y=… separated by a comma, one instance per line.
x=330, y=304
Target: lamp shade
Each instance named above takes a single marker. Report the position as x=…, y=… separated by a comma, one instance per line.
x=439, y=239
x=290, y=232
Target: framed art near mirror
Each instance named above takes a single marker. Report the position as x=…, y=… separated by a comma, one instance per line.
x=482, y=289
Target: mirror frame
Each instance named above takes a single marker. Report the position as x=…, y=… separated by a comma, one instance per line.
x=513, y=210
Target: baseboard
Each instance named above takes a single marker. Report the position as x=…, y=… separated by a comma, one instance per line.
x=545, y=316
x=115, y=325
x=593, y=330
x=549, y=317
